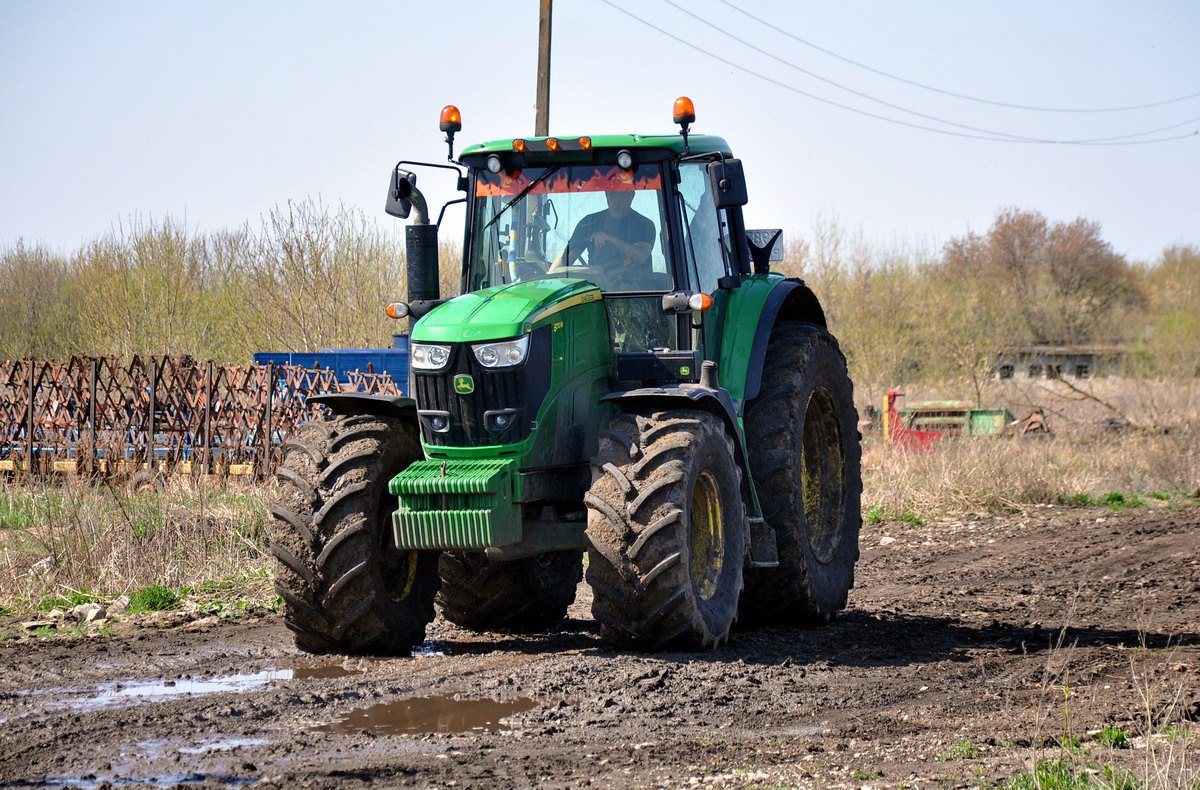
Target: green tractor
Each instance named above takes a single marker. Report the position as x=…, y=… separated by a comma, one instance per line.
x=622, y=375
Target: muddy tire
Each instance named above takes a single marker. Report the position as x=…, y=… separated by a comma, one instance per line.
x=665, y=531
x=803, y=442
x=529, y=594
x=345, y=588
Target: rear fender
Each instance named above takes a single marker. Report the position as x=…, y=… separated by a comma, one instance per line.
x=790, y=300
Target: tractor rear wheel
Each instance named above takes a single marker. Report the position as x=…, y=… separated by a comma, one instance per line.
x=345, y=587
x=529, y=594
x=803, y=445
x=665, y=530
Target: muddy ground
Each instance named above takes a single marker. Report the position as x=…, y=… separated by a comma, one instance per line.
x=950, y=637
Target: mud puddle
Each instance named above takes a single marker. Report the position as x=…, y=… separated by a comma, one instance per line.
x=156, y=749
x=91, y=781
x=417, y=716
x=135, y=691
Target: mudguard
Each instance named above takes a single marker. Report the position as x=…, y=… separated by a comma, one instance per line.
x=351, y=404
x=789, y=300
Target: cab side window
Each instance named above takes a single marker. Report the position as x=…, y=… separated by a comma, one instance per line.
x=703, y=227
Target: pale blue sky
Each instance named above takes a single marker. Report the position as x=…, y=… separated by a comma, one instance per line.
x=218, y=111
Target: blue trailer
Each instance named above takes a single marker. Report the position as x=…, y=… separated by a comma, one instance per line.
x=344, y=361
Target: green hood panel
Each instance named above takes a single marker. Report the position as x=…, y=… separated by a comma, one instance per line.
x=501, y=312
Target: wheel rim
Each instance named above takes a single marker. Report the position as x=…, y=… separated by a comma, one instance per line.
x=400, y=576
x=822, y=476
x=399, y=568
x=707, y=536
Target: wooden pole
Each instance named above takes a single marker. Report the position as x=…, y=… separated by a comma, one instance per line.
x=542, y=121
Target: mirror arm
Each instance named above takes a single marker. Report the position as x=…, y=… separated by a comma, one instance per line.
x=448, y=204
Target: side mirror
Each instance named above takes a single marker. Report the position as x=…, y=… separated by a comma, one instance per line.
x=403, y=195
x=727, y=183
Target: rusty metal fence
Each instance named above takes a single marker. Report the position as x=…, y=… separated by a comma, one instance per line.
x=99, y=417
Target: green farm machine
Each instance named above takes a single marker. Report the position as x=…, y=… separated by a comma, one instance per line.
x=622, y=375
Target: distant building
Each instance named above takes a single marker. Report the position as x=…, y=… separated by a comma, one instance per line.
x=1049, y=361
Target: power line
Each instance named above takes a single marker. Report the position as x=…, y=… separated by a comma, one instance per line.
x=893, y=106
x=1001, y=137
x=945, y=92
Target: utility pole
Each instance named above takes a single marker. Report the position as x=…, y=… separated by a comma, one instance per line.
x=542, y=121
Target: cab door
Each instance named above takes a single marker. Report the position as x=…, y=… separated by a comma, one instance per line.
x=708, y=251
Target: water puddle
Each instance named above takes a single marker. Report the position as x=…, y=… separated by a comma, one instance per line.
x=157, y=690
x=133, y=691
x=301, y=670
x=222, y=745
x=168, y=780
x=430, y=714
x=429, y=648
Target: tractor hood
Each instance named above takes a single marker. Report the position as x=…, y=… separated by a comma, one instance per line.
x=502, y=312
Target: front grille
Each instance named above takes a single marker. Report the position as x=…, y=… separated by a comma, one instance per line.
x=521, y=388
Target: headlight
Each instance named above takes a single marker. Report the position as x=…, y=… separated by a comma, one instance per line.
x=426, y=356
x=504, y=354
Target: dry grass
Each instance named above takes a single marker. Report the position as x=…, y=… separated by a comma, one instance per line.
x=72, y=537
x=993, y=474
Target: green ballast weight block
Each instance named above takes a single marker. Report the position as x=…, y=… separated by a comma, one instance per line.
x=456, y=504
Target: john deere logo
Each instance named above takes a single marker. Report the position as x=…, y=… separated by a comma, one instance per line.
x=464, y=385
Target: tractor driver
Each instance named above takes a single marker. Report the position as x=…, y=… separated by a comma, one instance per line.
x=618, y=241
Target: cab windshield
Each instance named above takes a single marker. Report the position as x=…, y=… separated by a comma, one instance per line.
x=596, y=222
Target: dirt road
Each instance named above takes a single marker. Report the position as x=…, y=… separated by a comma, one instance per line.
x=942, y=673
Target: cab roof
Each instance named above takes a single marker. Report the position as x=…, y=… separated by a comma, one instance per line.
x=698, y=143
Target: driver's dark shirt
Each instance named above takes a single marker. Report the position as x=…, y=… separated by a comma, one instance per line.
x=632, y=228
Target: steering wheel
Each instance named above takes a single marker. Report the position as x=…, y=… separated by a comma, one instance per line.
x=527, y=269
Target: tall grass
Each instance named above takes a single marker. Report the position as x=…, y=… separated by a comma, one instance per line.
x=56, y=538
x=986, y=475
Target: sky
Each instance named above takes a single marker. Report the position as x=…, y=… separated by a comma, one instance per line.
x=215, y=112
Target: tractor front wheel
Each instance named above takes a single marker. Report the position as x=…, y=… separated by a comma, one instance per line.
x=345, y=587
x=665, y=530
x=529, y=594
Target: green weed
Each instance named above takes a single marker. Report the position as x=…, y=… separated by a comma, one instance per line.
x=860, y=775
x=875, y=515
x=908, y=517
x=1081, y=499
x=1071, y=743
x=1113, y=738
x=1161, y=496
x=155, y=598
x=1116, y=501
x=43, y=631
x=1051, y=775
x=66, y=601
x=963, y=750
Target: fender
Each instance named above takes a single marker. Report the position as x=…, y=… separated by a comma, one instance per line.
x=695, y=396
x=352, y=404
x=790, y=300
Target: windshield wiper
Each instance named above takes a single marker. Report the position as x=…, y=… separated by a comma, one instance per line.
x=522, y=194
